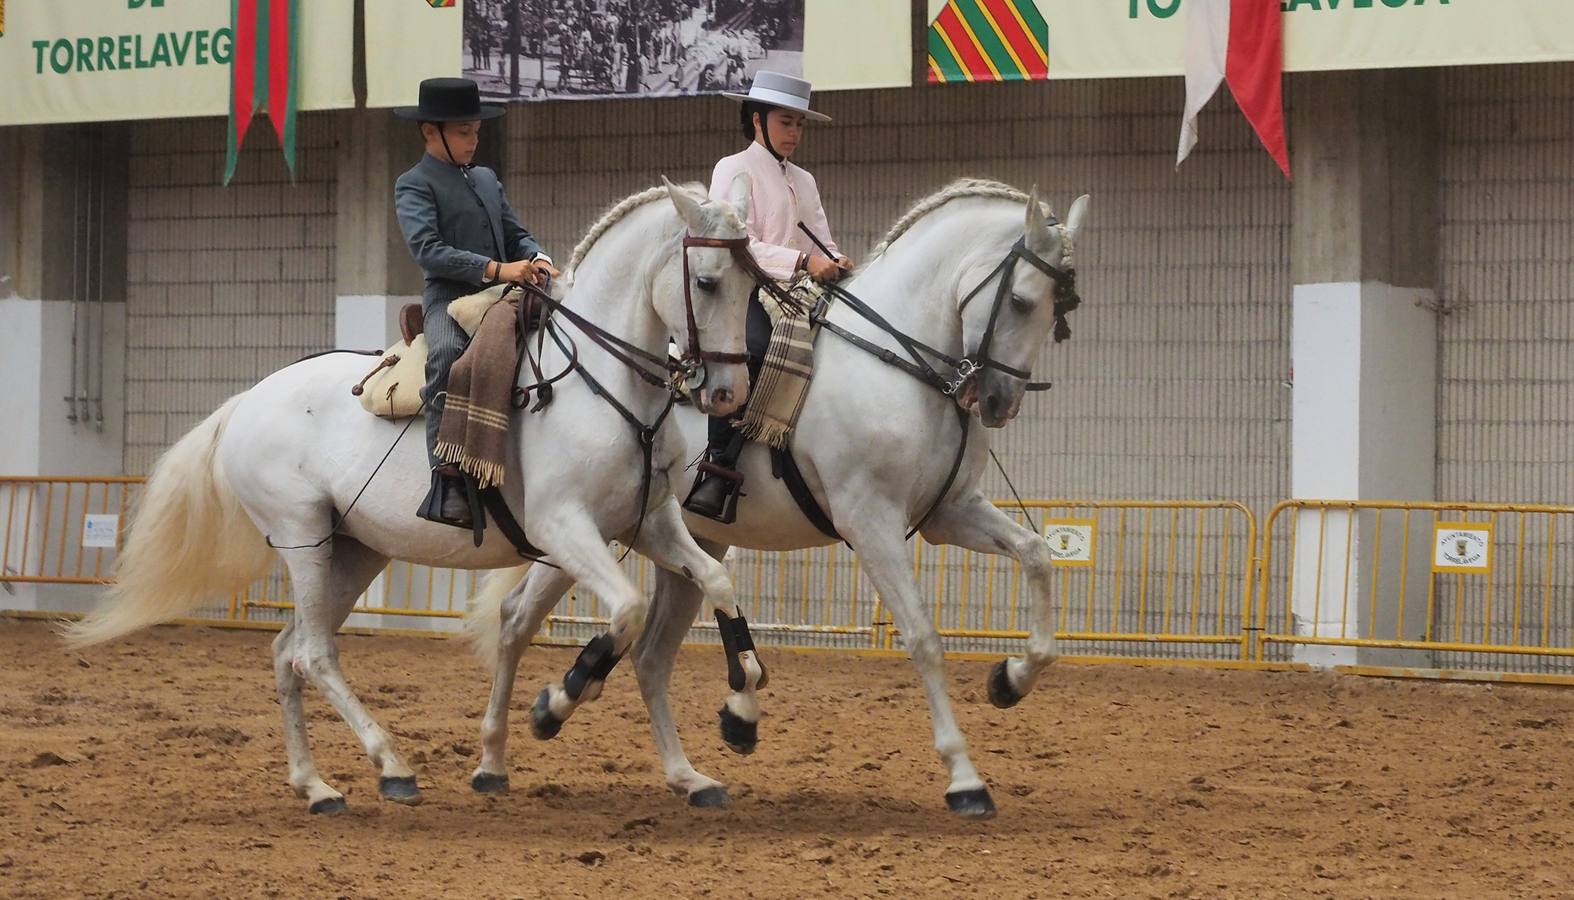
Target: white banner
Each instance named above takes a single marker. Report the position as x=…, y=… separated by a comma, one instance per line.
x=151, y=59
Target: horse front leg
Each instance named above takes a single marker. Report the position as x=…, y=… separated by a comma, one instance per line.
x=666, y=541
x=576, y=545
x=978, y=525
x=887, y=562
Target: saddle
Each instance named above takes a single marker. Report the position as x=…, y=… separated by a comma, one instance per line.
x=392, y=390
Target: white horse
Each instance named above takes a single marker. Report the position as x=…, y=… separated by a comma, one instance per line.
x=876, y=446
x=276, y=468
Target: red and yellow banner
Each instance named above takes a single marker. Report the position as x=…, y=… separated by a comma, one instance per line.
x=988, y=40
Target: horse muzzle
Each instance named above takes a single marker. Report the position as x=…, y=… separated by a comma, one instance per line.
x=995, y=397
x=725, y=390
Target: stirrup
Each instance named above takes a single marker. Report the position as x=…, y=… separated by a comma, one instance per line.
x=733, y=489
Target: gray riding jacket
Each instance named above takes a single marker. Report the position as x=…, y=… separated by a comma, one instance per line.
x=454, y=224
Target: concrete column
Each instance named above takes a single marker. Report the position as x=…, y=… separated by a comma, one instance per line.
x=62, y=323
x=1364, y=348
x=376, y=278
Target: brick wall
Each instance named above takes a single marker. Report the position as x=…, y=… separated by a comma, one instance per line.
x=225, y=284
x=1506, y=356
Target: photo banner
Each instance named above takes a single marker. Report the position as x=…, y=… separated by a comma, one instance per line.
x=609, y=49
x=151, y=59
x=1138, y=38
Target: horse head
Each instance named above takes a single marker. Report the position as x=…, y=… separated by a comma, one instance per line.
x=1013, y=308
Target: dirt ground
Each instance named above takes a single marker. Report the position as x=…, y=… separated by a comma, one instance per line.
x=155, y=767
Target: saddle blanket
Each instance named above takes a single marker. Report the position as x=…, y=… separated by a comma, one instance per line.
x=777, y=400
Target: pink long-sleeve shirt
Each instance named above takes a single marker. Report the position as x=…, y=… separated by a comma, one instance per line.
x=784, y=195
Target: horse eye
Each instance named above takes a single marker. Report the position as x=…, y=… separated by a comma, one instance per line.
x=1021, y=304
x=708, y=283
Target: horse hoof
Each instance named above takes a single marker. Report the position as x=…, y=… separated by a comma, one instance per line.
x=489, y=783
x=328, y=806
x=740, y=736
x=710, y=798
x=400, y=790
x=1001, y=693
x=974, y=804
x=543, y=724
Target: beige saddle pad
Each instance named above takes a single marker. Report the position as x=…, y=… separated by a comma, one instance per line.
x=393, y=389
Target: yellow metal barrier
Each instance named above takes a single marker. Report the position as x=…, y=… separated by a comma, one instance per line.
x=1153, y=578
x=62, y=530
x=1435, y=586
x=1458, y=581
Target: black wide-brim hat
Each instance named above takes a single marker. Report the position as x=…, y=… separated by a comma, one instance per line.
x=449, y=100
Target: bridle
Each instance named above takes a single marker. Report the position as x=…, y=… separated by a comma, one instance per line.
x=1065, y=299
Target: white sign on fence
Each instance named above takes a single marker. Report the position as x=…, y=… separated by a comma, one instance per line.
x=100, y=530
x=1462, y=547
x=1071, y=541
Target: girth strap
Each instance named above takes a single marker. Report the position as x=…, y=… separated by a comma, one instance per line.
x=503, y=517
x=786, y=468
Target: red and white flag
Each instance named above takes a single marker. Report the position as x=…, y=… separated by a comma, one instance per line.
x=1240, y=42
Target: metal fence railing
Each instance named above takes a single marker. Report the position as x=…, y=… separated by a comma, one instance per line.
x=1385, y=587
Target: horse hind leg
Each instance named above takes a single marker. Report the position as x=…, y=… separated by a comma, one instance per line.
x=672, y=611
x=327, y=582
x=304, y=778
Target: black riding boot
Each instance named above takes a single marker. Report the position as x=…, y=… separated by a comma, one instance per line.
x=716, y=494
x=450, y=499
x=720, y=485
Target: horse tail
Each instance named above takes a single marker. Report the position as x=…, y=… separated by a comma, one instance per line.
x=484, y=618
x=190, y=542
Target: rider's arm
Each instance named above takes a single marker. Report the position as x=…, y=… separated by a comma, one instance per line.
x=417, y=210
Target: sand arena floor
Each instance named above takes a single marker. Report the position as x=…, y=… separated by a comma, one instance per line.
x=155, y=767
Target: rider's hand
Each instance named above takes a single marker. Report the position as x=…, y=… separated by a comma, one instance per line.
x=822, y=269
x=520, y=272
x=544, y=269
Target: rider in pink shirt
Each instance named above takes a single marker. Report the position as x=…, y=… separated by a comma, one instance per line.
x=784, y=195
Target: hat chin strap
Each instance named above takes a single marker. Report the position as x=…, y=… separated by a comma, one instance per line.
x=442, y=132
x=765, y=132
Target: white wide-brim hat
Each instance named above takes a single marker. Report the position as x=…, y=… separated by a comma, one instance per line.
x=783, y=91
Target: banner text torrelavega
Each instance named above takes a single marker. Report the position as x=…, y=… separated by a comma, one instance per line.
x=133, y=51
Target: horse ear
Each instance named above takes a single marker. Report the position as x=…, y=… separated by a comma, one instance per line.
x=742, y=195
x=1078, y=217
x=1036, y=230
x=688, y=206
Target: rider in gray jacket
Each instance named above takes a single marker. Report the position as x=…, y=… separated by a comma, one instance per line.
x=464, y=236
